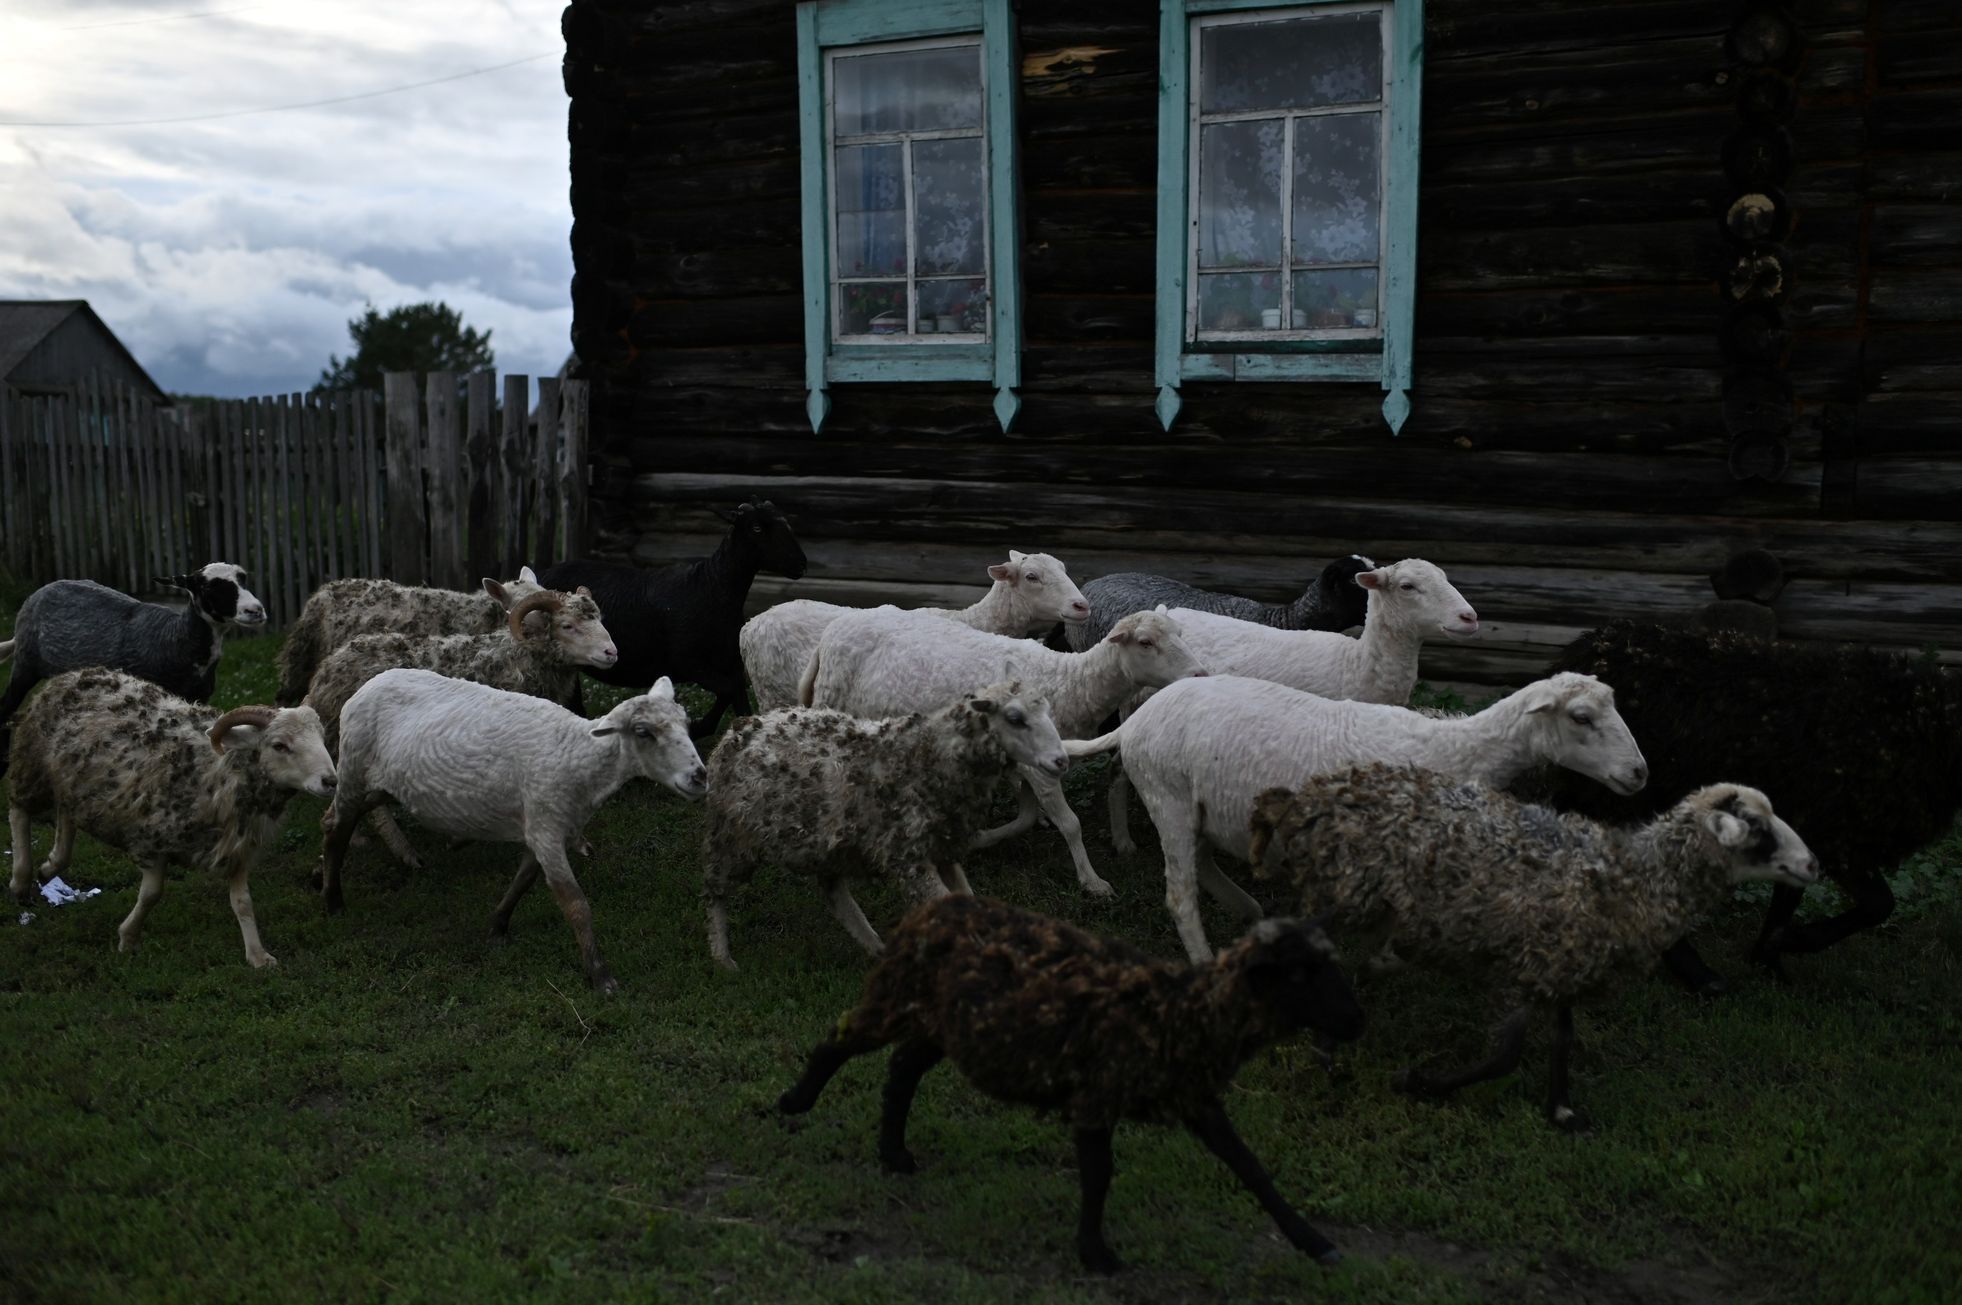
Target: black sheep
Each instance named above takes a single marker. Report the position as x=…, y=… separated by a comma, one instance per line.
x=1332, y=601
x=682, y=621
x=1862, y=748
x=1036, y=1011
x=71, y=624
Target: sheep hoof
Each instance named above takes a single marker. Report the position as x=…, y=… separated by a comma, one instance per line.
x=264, y=961
x=1097, y=887
x=1329, y=1258
x=603, y=983
x=498, y=937
x=728, y=963
x=585, y=848
x=127, y=943
x=1123, y=846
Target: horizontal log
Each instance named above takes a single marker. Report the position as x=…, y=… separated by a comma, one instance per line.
x=1559, y=310
x=1919, y=119
x=1916, y=294
x=1917, y=488
x=1931, y=54
x=1607, y=254
x=1916, y=233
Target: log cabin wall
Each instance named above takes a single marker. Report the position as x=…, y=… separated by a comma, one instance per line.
x=1566, y=457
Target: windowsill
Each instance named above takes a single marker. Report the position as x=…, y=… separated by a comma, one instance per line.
x=1277, y=343
x=910, y=361
x=1276, y=366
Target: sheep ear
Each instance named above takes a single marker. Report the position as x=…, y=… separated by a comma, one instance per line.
x=1003, y=571
x=1014, y=556
x=1728, y=829
x=1119, y=633
x=985, y=706
x=527, y=575
x=662, y=690
x=174, y=582
x=496, y=590
x=1541, y=698
x=583, y=592
x=722, y=515
x=1162, y=610
x=1373, y=579
x=604, y=730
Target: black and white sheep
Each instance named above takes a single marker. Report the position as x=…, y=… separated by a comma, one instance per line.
x=548, y=637
x=1544, y=907
x=684, y=621
x=168, y=781
x=70, y=624
x=1330, y=602
x=480, y=763
x=342, y=610
x=1033, y=1010
x=832, y=797
x=1867, y=744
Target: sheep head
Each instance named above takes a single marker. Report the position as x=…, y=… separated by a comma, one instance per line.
x=1042, y=585
x=655, y=727
x=574, y=621
x=510, y=592
x=286, y=743
x=217, y=590
x=1020, y=722
x=1151, y=648
x=1414, y=595
x=1577, y=727
x=1750, y=839
x=1290, y=967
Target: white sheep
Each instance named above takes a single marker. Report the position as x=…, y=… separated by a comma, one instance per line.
x=1030, y=593
x=168, y=781
x=486, y=764
x=831, y=796
x=1408, y=601
x=1201, y=751
x=886, y=662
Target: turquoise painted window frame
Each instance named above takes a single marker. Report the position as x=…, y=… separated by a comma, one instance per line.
x=825, y=25
x=1386, y=361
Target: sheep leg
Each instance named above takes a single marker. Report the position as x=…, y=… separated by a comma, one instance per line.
x=393, y=838
x=1056, y=805
x=1025, y=817
x=20, y=883
x=130, y=933
x=1504, y=1059
x=1559, y=1112
x=1691, y=969
x=1216, y=1130
x=339, y=823
x=1181, y=844
x=908, y=1066
x=578, y=913
x=718, y=929
x=1094, y=1168
x=240, y=890
x=1873, y=902
x=1117, y=804
x=724, y=702
x=1227, y=893
x=838, y=895
x=826, y=1059
x=955, y=878
x=500, y=925
x=63, y=850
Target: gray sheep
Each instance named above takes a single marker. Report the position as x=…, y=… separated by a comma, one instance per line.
x=168, y=781
x=1545, y=906
x=1330, y=602
x=70, y=624
x=831, y=796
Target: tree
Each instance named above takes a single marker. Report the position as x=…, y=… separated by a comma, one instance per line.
x=412, y=338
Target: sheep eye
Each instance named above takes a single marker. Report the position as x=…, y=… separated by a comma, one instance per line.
x=1015, y=717
x=1407, y=586
x=1033, y=578
x=1583, y=719
x=757, y=527
x=642, y=732
x=280, y=747
x=1144, y=643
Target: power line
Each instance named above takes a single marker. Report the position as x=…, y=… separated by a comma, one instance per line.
x=160, y=18
x=285, y=108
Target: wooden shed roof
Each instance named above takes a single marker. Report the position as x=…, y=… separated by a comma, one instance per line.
x=24, y=323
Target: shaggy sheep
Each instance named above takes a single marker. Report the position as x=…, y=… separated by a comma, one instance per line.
x=1201, y=750
x=539, y=657
x=1030, y=593
x=1330, y=602
x=342, y=610
x=1867, y=744
x=1547, y=907
x=168, y=781
x=1408, y=601
x=831, y=796
x=70, y=624
x=1035, y=1011
x=886, y=662
x=481, y=763
x=682, y=621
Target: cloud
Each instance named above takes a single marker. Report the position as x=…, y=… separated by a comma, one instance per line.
x=229, y=255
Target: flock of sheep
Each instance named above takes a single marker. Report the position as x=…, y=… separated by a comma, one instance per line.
x=1534, y=844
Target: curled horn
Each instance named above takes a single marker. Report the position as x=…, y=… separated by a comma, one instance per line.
x=257, y=717
x=545, y=600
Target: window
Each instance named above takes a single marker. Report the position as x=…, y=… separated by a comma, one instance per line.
x=910, y=234
x=1287, y=194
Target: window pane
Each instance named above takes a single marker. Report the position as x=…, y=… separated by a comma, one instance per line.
x=1235, y=301
x=870, y=184
x=877, y=308
x=954, y=306
x=908, y=90
x=1240, y=194
x=1298, y=63
x=1343, y=299
x=947, y=197
x=1337, y=202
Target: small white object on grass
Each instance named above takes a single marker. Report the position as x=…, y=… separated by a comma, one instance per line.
x=58, y=893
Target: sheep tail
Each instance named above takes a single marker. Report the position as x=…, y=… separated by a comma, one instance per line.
x=807, y=682
x=1074, y=748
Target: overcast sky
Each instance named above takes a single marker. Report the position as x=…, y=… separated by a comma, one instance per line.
x=230, y=254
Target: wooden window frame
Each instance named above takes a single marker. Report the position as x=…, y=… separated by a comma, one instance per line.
x=1383, y=356
x=826, y=28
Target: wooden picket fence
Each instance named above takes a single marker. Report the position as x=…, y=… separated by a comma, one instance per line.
x=433, y=484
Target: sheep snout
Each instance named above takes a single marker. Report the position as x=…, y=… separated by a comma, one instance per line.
x=1462, y=625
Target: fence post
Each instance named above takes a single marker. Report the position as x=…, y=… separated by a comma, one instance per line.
x=574, y=402
x=405, y=503
x=10, y=531
x=514, y=452
x=545, y=474
x=441, y=467
x=480, y=466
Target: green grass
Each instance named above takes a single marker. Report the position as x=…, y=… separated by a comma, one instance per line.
x=399, y=1109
